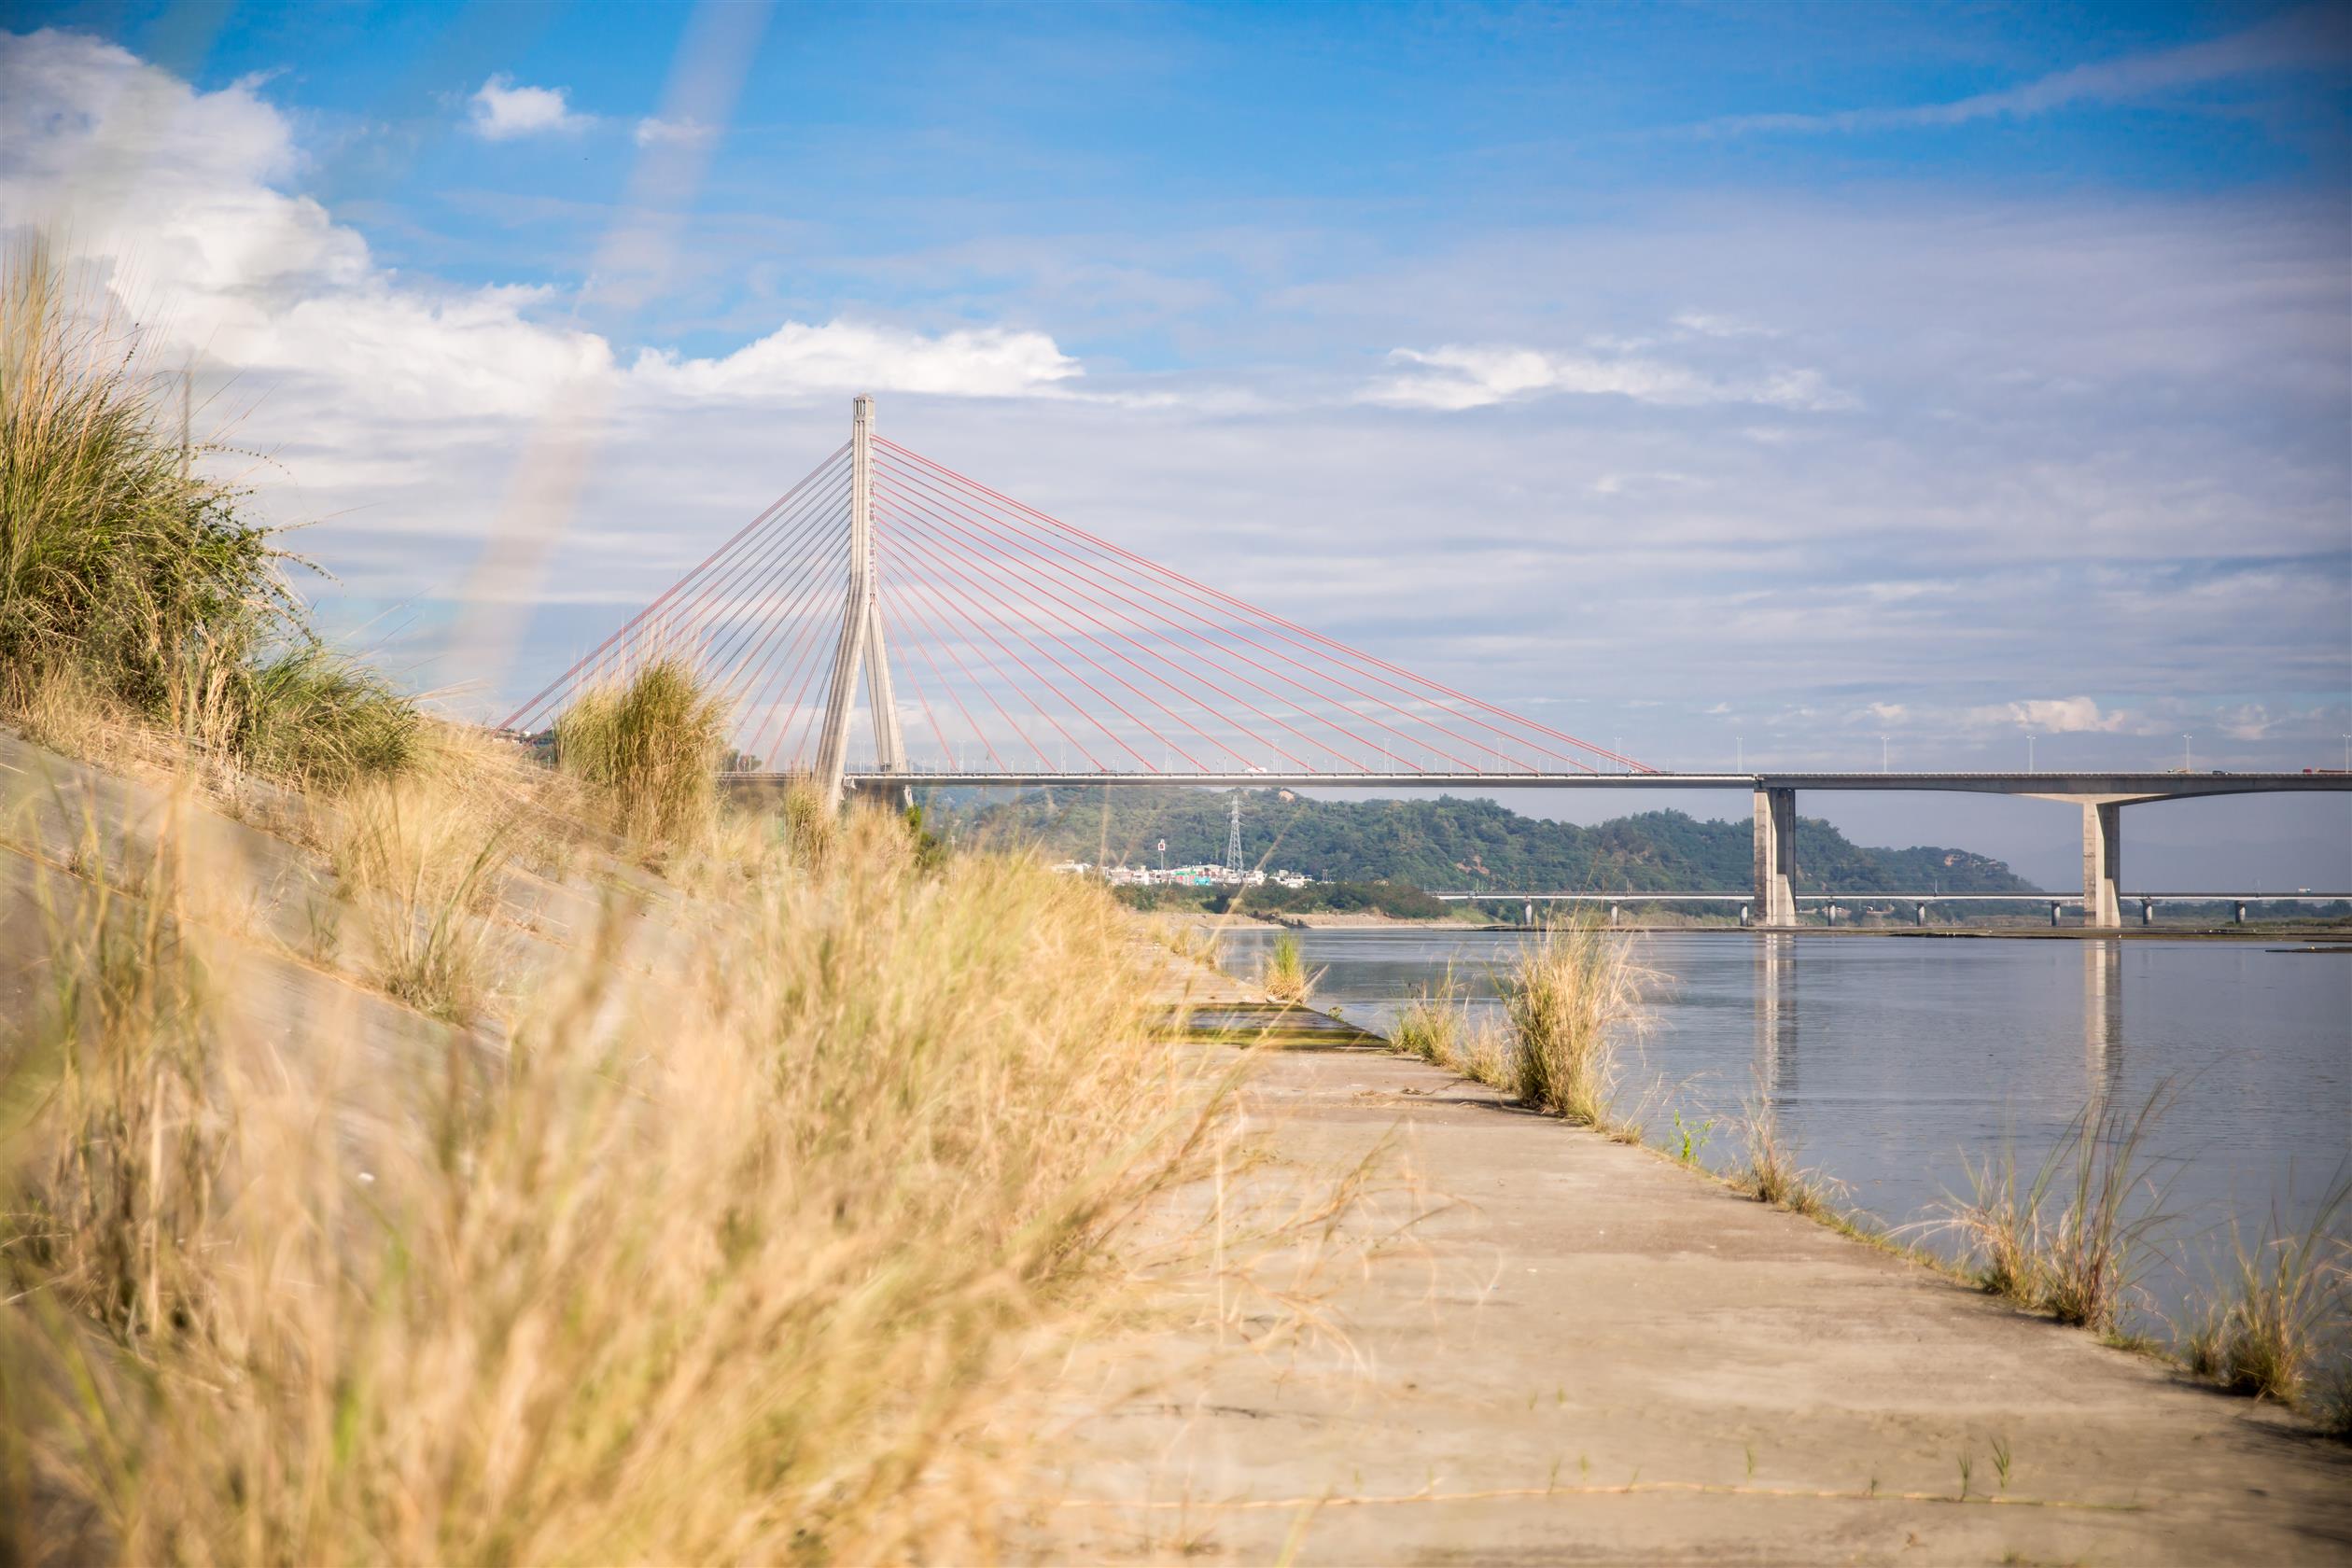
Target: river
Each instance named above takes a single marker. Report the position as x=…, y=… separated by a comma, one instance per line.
x=1893, y=1061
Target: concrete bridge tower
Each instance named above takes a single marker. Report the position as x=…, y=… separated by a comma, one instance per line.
x=860, y=642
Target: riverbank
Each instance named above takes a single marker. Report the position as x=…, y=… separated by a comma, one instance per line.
x=1582, y=1352
x=2319, y=932
x=422, y=1173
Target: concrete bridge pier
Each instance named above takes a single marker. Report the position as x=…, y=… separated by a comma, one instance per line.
x=2102, y=862
x=1775, y=857
x=2101, y=855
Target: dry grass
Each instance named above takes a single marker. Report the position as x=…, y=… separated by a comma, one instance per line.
x=1434, y=1024
x=1774, y=1170
x=115, y=1065
x=2075, y=1240
x=741, y=1250
x=413, y=859
x=2288, y=1303
x=648, y=752
x=1570, y=996
x=1438, y=1026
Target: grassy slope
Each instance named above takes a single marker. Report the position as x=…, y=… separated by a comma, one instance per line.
x=455, y=1159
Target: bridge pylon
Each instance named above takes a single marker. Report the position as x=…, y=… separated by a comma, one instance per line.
x=862, y=642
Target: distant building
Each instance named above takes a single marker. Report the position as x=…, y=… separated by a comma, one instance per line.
x=1202, y=876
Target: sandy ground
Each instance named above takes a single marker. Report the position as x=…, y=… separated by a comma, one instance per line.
x=1586, y=1354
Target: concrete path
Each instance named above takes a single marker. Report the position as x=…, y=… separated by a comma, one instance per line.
x=1592, y=1355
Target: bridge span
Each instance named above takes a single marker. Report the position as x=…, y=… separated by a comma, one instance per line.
x=2100, y=796
x=967, y=624
x=1920, y=902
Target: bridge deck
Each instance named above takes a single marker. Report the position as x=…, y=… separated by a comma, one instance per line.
x=2144, y=786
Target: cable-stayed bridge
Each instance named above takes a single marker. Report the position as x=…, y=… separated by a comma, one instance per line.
x=993, y=645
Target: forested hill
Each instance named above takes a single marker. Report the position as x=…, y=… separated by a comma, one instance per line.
x=1454, y=844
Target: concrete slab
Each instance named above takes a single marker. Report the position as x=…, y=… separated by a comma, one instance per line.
x=1591, y=1354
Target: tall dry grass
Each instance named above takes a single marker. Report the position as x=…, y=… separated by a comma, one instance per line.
x=1572, y=995
x=647, y=750
x=1434, y=1024
x=741, y=1247
x=2285, y=1309
x=1775, y=1170
x=2075, y=1239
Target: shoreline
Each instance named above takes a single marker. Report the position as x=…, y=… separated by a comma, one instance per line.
x=1575, y=1347
x=2328, y=938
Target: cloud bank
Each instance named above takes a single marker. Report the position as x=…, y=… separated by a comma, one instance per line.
x=1787, y=469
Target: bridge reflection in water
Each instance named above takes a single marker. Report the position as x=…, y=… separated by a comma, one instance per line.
x=1776, y=1016
x=2102, y=1018
x=1775, y=1002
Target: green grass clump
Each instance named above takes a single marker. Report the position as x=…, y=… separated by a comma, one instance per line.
x=1285, y=976
x=1571, y=990
x=128, y=578
x=649, y=750
x=313, y=714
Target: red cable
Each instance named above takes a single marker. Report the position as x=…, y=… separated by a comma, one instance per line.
x=1272, y=621
x=977, y=685
x=947, y=609
x=812, y=633
x=800, y=705
x=1164, y=625
x=692, y=609
x=995, y=526
x=569, y=679
x=808, y=596
x=1324, y=674
x=777, y=564
x=799, y=574
x=530, y=707
x=945, y=751
x=1013, y=586
x=948, y=687
x=918, y=506
x=945, y=549
x=1268, y=617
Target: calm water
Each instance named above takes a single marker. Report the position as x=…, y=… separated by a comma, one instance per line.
x=1890, y=1060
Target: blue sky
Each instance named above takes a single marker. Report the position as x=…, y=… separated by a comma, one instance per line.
x=1777, y=376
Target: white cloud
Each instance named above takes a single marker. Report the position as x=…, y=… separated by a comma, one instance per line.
x=170, y=192
x=2052, y=715
x=798, y=357
x=2311, y=39
x=2246, y=722
x=654, y=131
x=1457, y=377
x=1889, y=713
x=500, y=111
x=1707, y=325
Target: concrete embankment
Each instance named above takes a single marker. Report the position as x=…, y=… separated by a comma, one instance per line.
x=1584, y=1353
